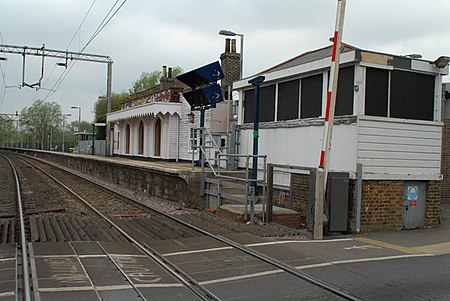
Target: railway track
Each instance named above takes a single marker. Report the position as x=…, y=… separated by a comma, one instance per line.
x=23, y=286
x=127, y=220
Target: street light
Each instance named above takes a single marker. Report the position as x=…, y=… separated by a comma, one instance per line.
x=63, y=128
x=79, y=126
x=442, y=62
x=233, y=34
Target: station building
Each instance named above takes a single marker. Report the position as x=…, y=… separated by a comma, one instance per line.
x=157, y=123
x=388, y=119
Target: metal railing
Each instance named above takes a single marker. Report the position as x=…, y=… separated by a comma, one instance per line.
x=208, y=148
x=251, y=189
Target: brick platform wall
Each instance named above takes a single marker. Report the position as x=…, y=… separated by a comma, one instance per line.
x=180, y=186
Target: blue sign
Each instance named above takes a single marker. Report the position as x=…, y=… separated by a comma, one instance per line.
x=205, y=75
x=412, y=193
x=205, y=92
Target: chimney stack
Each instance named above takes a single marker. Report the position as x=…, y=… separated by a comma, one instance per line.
x=227, y=45
x=233, y=45
x=170, y=73
x=230, y=62
x=164, y=71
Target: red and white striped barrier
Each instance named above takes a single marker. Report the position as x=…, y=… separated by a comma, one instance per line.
x=332, y=87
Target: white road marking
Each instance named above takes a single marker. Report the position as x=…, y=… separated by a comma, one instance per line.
x=8, y=259
x=269, y=243
x=197, y=251
x=365, y=247
x=240, y=277
x=361, y=260
x=280, y=242
x=159, y=285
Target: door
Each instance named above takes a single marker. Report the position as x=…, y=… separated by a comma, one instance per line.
x=127, y=141
x=414, y=196
x=141, y=138
x=158, y=137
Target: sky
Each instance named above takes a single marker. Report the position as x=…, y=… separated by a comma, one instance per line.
x=144, y=35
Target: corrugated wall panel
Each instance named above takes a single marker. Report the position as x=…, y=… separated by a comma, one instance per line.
x=394, y=148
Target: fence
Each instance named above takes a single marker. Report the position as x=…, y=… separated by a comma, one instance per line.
x=297, y=188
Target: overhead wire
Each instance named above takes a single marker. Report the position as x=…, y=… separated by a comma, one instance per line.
x=81, y=24
x=3, y=71
x=100, y=27
x=67, y=47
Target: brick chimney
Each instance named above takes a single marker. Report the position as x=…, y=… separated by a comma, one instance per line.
x=230, y=61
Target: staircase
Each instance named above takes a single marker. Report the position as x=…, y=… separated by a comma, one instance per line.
x=226, y=187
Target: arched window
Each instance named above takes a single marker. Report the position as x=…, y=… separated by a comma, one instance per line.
x=158, y=137
x=141, y=138
x=127, y=146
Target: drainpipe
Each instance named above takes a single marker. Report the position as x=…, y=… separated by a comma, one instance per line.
x=358, y=197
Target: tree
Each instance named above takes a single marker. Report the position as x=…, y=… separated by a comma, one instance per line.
x=100, y=105
x=146, y=81
x=152, y=79
x=6, y=129
x=41, y=119
x=100, y=108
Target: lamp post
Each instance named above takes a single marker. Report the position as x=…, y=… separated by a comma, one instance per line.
x=63, y=129
x=79, y=126
x=255, y=82
x=233, y=34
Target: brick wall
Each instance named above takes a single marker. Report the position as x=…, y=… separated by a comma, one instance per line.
x=300, y=197
x=445, y=163
x=432, y=204
x=381, y=205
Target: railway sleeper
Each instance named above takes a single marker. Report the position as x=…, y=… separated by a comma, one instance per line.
x=59, y=235
x=70, y=229
x=41, y=230
x=78, y=228
x=104, y=235
x=48, y=229
x=11, y=236
x=6, y=226
x=136, y=232
x=90, y=234
x=115, y=234
x=148, y=231
x=160, y=230
x=34, y=231
x=65, y=231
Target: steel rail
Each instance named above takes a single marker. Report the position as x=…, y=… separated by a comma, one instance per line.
x=23, y=239
x=198, y=290
x=271, y=261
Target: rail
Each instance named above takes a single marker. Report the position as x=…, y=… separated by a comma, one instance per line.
x=23, y=239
